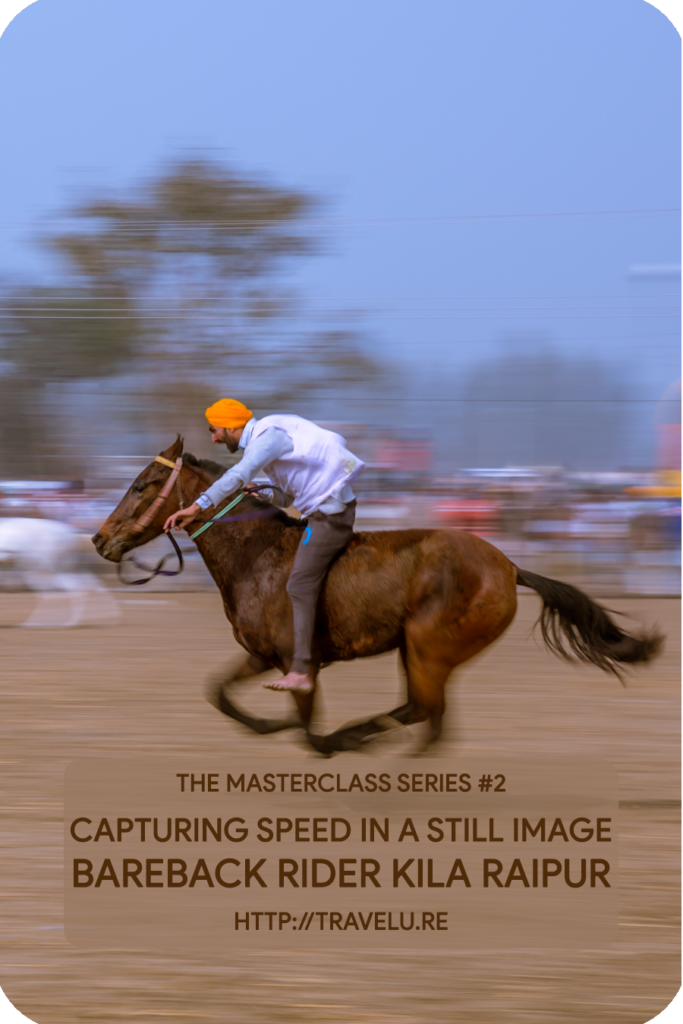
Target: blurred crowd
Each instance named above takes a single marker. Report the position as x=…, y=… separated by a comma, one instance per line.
x=66, y=501
x=577, y=512
x=621, y=531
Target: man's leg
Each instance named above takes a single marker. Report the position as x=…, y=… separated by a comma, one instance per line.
x=323, y=539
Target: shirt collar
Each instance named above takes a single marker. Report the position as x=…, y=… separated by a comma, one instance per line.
x=247, y=432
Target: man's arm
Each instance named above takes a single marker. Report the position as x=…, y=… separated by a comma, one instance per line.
x=272, y=444
x=272, y=492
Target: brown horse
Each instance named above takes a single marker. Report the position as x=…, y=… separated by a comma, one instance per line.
x=439, y=596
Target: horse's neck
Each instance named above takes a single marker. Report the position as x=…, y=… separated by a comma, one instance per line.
x=198, y=481
x=230, y=549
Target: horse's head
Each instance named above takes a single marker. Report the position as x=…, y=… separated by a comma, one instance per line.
x=126, y=527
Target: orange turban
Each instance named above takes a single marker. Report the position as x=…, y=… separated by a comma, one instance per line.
x=228, y=413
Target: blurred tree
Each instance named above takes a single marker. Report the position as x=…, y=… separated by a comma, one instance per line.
x=536, y=405
x=50, y=336
x=179, y=284
x=64, y=335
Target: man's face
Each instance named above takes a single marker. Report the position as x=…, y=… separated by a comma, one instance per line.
x=221, y=435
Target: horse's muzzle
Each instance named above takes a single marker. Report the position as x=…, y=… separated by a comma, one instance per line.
x=106, y=548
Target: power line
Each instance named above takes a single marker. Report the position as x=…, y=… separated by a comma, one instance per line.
x=527, y=401
x=414, y=298
x=346, y=312
x=643, y=344
x=401, y=319
x=516, y=339
x=131, y=224
x=514, y=401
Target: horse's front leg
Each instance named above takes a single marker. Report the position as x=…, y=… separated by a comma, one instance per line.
x=219, y=687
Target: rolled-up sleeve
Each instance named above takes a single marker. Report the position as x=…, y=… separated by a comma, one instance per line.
x=272, y=444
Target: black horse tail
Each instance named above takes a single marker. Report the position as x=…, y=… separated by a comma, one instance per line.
x=570, y=617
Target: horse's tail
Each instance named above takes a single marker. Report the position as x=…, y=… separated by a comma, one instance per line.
x=570, y=617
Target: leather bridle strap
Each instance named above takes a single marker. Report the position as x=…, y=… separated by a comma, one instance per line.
x=146, y=518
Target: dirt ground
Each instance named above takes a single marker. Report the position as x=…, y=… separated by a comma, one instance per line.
x=136, y=688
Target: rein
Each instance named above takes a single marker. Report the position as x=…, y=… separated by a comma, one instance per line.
x=261, y=513
x=148, y=515
x=158, y=569
x=216, y=519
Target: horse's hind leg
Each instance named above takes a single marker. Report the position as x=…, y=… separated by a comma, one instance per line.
x=427, y=680
x=434, y=648
x=77, y=599
x=46, y=613
x=37, y=619
x=357, y=734
x=217, y=695
x=102, y=605
x=70, y=585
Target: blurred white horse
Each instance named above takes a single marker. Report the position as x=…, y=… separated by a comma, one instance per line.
x=47, y=555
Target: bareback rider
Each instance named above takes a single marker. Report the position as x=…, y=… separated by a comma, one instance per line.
x=314, y=469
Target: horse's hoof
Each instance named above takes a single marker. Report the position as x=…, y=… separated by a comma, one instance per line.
x=322, y=744
x=354, y=739
x=393, y=735
x=336, y=742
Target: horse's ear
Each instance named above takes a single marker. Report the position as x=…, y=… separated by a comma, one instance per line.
x=175, y=450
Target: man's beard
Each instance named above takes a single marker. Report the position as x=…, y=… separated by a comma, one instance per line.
x=231, y=445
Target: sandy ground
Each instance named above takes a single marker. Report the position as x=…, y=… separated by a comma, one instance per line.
x=136, y=688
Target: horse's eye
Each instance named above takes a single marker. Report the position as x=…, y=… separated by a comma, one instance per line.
x=138, y=488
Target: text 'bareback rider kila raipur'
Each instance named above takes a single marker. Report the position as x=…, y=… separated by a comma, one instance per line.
x=314, y=470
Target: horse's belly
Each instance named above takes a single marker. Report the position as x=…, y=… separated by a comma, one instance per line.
x=360, y=629
x=363, y=646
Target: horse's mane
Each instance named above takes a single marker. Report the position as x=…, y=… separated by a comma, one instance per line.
x=214, y=468
x=250, y=501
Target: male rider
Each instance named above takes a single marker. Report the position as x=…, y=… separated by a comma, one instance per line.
x=314, y=469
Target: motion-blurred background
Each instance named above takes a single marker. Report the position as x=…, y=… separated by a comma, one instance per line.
x=450, y=232
x=449, y=229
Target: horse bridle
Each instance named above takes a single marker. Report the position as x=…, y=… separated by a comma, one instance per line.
x=143, y=521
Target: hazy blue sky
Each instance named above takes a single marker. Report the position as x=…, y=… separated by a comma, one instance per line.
x=435, y=130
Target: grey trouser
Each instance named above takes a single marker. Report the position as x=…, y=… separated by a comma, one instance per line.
x=324, y=537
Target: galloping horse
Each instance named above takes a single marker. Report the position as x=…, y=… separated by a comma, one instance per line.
x=48, y=554
x=439, y=596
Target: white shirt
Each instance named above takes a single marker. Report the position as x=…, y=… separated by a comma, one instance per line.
x=270, y=445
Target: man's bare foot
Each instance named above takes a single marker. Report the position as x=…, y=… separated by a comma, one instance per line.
x=294, y=682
